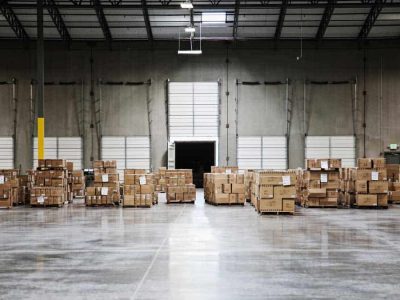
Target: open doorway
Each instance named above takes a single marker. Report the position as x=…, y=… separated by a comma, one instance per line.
x=198, y=156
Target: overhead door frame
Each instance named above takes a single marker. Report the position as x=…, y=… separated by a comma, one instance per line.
x=354, y=103
x=80, y=111
x=12, y=83
x=57, y=151
x=191, y=138
x=288, y=107
x=98, y=113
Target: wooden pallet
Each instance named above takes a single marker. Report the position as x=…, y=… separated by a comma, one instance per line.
x=136, y=206
x=321, y=206
x=225, y=204
x=47, y=206
x=370, y=206
x=290, y=213
x=181, y=202
x=101, y=205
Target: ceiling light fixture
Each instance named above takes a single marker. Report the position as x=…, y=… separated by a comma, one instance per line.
x=187, y=4
x=190, y=52
x=190, y=29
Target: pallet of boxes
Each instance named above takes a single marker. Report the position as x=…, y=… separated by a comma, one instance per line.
x=179, y=186
x=105, y=190
x=139, y=189
x=14, y=187
x=393, y=172
x=274, y=192
x=49, y=183
x=321, y=183
x=78, y=183
x=224, y=186
x=249, y=177
x=371, y=185
x=160, y=180
x=347, y=187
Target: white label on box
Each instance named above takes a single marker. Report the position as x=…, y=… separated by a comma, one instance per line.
x=375, y=176
x=142, y=180
x=324, y=164
x=324, y=178
x=104, y=178
x=228, y=171
x=286, y=180
x=40, y=199
x=240, y=171
x=104, y=191
x=1, y=179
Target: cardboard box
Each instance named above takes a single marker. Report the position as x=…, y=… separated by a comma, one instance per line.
x=221, y=198
x=361, y=186
x=227, y=188
x=395, y=196
x=378, y=187
x=332, y=194
x=270, y=204
x=383, y=199
x=379, y=162
x=146, y=189
x=238, y=188
x=288, y=205
x=287, y=192
x=317, y=193
x=364, y=163
x=328, y=202
x=232, y=198
x=366, y=200
x=266, y=191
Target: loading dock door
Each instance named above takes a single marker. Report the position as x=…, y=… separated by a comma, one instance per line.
x=6, y=153
x=68, y=148
x=262, y=152
x=332, y=147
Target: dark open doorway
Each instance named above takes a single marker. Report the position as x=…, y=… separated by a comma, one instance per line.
x=198, y=156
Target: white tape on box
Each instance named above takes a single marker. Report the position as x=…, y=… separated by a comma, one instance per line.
x=286, y=180
x=324, y=178
x=104, y=178
x=104, y=191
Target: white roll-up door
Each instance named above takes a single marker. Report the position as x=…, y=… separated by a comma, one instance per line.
x=130, y=152
x=262, y=152
x=68, y=148
x=193, y=109
x=342, y=147
x=6, y=153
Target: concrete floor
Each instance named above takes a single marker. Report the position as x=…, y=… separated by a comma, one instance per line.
x=198, y=252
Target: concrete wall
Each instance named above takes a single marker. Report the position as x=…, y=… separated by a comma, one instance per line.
x=261, y=109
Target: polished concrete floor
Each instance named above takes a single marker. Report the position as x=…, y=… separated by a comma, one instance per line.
x=198, y=252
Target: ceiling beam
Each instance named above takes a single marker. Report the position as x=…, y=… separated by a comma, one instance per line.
x=102, y=20
x=58, y=20
x=326, y=18
x=12, y=19
x=292, y=5
x=236, y=19
x=371, y=19
x=281, y=19
x=147, y=21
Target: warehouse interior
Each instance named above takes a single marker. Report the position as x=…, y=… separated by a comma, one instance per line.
x=199, y=149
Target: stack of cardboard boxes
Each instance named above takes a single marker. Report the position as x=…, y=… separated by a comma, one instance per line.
x=224, y=170
x=180, y=187
x=160, y=180
x=249, y=178
x=320, y=183
x=78, y=183
x=347, y=187
x=139, y=189
x=105, y=191
x=393, y=172
x=371, y=185
x=50, y=185
x=10, y=179
x=220, y=188
x=274, y=192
